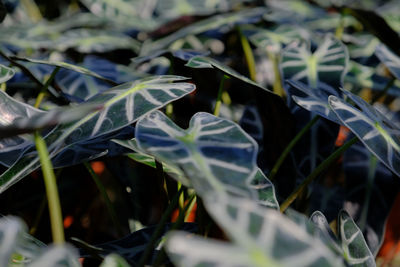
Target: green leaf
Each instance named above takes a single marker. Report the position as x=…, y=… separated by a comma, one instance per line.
x=273, y=40
x=391, y=60
x=114, y=260
x=260, y=237
x=123, y=105
x=67, y=66
x=377, y=132
x=353, y=243
x=327, y=65
x=96, y=41
x=201, y=62
x=5, y=73
x=225, y=20
x=214, y=153
x=58, y=115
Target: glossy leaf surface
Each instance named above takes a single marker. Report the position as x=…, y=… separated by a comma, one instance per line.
x=214, y=153
x=123, y=105
x=390, y=59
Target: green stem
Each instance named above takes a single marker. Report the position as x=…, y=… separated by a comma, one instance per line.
x=290, y=146
x=3, y=87
x=160, y=227
x=51, y=190
x=220, y=91
x=277, y=86
x=321, y=167
x=43, y=91
x=340, y=28
x=248, y=53
x=384, y=91
x=105, y=197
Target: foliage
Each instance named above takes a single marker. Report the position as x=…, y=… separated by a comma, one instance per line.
x=123, y=92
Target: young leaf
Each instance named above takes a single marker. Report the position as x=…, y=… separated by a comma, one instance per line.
x=325, y=66
x=5, y=73
x=353, y=243
x=377, y=133
x=114, y=260
x=214, y=153
x=260, y=237
x=123, y=105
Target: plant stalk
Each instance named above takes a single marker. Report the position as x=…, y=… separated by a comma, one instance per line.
x=248, y=53
x=321, y=167
x=51, y=190
x=290, y=146
x=43, y=91
x=219, y=97
x=107, y=201
x=277, y=86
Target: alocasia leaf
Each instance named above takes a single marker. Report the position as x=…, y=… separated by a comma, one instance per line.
x=214, y=153
x=67, y=66
x=315, y=100
x=5, y=73
x=95, y=41
x=225, y=21
x=56, y=255
x=353, y=243
x=377, y=133
x=390, y=59
x=260, y=237
x=350, y=242
x=326, y=65
x=123, y=105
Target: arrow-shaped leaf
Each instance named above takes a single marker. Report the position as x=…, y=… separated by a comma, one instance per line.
x=123, y=105
x=377, y=133
x=327, y=65
x=214, y=153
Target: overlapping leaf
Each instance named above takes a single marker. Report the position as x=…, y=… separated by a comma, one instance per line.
x=350, y=242
x=123, y=105
x=259, y=237
x=214, y=153
x=315, y=100
x=378, y=134
x=353, y=243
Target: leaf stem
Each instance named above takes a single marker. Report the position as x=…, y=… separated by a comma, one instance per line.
x=219, y=97
x=373, y=162
x=43, y=90
x=51, y=190
x=290, y=146
x=321, y=167
x=277, y=86
x=160, y=227
x=248, y=53
x=105, y=197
